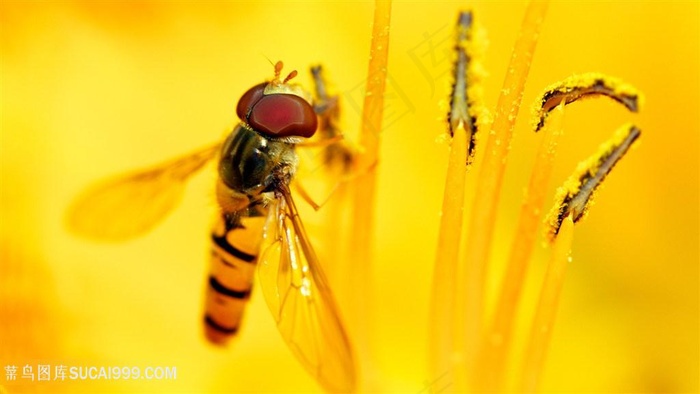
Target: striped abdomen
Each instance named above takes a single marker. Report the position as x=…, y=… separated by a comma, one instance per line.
x=235, y=246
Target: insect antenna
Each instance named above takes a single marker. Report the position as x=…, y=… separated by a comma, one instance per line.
x=278, y=69
x=290, y=76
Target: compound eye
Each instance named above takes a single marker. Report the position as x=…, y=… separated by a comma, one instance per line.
x=248, y=100
x=283, y=115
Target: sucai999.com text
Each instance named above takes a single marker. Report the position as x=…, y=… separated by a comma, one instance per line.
x=48, y=372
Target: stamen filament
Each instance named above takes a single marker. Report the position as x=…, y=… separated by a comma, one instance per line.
x=470, y=293
x=496, y=343
x=462, y=127
x=541, y=331
x=364, y=186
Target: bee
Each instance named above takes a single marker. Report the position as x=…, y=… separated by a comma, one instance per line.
x=258, y=225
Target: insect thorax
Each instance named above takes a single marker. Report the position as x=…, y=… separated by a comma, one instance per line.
x=252, y=164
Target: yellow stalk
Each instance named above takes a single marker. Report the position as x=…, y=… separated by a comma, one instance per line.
x=494, y=348
x=470, y=292
x=571, y=204
x=541, y=331
x=465, y=107
x=445, y=275
x=495, y=345
x=364, y=186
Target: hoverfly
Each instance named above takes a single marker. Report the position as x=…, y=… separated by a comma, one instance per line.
x=258, y=225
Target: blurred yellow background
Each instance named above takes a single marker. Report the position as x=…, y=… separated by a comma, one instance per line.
x=90, y=89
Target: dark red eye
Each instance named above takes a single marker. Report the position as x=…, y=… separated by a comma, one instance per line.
x=249, y=99
x=282, y=115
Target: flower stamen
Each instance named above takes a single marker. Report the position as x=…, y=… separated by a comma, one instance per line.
x=584, y=85
x=574, y=197
x=571, y=204
x=462, y=127
x=493, y=355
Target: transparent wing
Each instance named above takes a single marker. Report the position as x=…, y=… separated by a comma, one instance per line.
x=297, y=292
x=130, y=205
